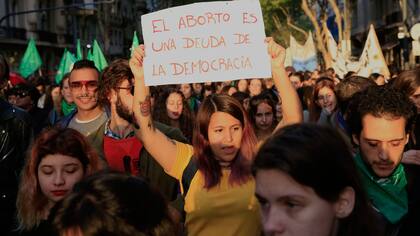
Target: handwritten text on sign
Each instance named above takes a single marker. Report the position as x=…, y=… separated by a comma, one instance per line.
x=212, y=41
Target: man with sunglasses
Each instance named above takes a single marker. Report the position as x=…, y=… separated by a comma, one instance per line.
x=25, y=96
x=122, y=150
x=89, y=117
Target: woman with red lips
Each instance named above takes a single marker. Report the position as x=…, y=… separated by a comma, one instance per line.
x=324, y=101
x=171, y=108
x=58, y=159
x=220, y=199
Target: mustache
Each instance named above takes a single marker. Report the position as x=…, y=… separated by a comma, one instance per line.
x=86, y=96
x=383, y=162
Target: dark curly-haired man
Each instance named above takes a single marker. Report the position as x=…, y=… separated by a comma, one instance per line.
x=380, y=124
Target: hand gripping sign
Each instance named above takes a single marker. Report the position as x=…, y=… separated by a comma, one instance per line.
x=211, y=41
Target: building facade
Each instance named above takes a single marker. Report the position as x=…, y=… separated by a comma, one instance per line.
x=57, y=24
x=390, y=18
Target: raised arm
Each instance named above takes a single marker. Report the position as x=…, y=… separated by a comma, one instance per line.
x=291, y=106
x=162, y=149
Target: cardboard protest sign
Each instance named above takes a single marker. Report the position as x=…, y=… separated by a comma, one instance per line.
x=211, y=41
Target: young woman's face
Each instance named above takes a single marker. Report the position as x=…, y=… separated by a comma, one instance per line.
x=255, y=87
x=225, y=136
x=264, y=116
x=243, y=85
x=186, y=90
x=66, y=91
x=57, y=175
x=295, y=80
x=326, y=99
x=198, y=87
x=289, y=208
x=174, y=106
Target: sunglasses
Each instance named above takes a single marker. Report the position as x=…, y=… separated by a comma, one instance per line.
x=21, y=94
x=130, y=87
x=89, y=84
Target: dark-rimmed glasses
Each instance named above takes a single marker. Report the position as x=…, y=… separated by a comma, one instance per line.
x=21, y=94
x=130, y=87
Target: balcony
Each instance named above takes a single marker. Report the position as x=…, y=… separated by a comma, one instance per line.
x=47, y=36
x=12, y=32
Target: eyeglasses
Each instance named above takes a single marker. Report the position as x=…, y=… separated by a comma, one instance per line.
x=130, y=87
x=89, y=84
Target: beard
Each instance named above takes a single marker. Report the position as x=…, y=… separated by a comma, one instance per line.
x=123, y=111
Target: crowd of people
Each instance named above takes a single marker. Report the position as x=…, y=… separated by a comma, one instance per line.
x=301, y=153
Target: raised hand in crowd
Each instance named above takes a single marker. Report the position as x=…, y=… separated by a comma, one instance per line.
x=291, y=106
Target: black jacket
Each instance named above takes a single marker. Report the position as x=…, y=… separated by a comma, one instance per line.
x=15, y=136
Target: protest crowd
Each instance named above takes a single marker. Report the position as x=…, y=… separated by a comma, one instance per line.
x=99, y=151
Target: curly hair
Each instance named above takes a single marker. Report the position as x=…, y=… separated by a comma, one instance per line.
x=380, y=102
x=31, y=202
x=350, y=86
x=112, y=76
x=112, y=203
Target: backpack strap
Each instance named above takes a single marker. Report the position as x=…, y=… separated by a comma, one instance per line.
x=188, y=175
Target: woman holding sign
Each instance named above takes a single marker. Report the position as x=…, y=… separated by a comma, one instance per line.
x=215, y=173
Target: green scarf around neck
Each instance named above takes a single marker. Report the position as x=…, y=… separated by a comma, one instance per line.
x=67, y=108
x=388, y=195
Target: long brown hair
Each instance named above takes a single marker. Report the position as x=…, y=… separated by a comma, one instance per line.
x=160, y=111
x=31, y=202
x=314, y=108
x=207, y=164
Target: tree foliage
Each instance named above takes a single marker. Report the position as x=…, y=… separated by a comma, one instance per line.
x=276, y=15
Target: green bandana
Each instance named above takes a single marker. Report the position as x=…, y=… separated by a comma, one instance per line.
x=67, y=108
x=388, y=195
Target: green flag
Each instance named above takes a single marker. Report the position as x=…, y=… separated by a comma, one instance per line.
x=31, y=60
x=79, y=54
x=135, y=43
x=66, y=64
x=98, y=57
x=90, y=55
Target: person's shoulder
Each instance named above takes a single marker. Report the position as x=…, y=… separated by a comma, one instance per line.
x=8, y=111
x=65, y=120
x=170, y=131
